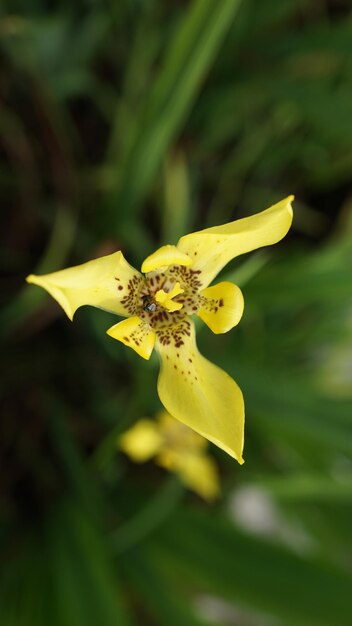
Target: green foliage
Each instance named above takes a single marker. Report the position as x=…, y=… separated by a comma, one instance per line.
x=200, y=550
x=123, y=125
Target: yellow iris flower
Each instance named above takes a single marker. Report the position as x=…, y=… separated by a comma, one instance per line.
x=159, y=304
x=175, y=447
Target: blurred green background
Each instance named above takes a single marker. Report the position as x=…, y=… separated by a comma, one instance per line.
x=124, y=124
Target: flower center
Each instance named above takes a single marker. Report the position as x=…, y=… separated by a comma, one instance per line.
x=166, y=297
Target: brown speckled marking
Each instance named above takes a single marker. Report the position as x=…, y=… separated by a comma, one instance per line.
x=132, y=300
x=187, y=277
x=171, y=327
x=210, y=304
x=174, y=334
x=138, y=335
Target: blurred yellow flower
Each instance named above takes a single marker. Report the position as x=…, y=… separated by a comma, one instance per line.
x=175, y=447
x=158, y=307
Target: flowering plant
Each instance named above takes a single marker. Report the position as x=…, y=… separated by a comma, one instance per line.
x=159, y=303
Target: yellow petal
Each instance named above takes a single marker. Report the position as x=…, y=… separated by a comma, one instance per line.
x=166, y=298
x=135, y=334
x=198, y=393
x=142, y=441
x=183, y=451
x=212, y=248
x=165, y=256
x=178, y=435
x=108, y=283
x=198, y=472
x=222, y=307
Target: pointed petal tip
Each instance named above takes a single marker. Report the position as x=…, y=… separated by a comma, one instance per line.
x=283, y=213
x=289, y=201
x=40, y=281
x=237, y=457
x=31, y=278
x=230, y=450
x=233, y=449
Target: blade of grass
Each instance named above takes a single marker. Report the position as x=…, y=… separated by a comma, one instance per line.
x=190, y=55
x=84, y=589
x=149, y=518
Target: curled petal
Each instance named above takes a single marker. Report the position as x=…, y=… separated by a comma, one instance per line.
x=198, y=393
x=222, y=306
x=142, y=441
x=135, y=334
x=108, y=283
x=213, y=248
x=165, y=256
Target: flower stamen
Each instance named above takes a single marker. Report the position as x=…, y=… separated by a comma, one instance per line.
x=166, y=298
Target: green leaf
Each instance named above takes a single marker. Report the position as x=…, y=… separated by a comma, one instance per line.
x=84, y=588
x=191, y=52
x=162, y=599
x=212, y=555
x=60, y=574
x=149, y=518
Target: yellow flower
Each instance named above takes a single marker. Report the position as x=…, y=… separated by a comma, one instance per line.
x=175, y=447
x=159, y=305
